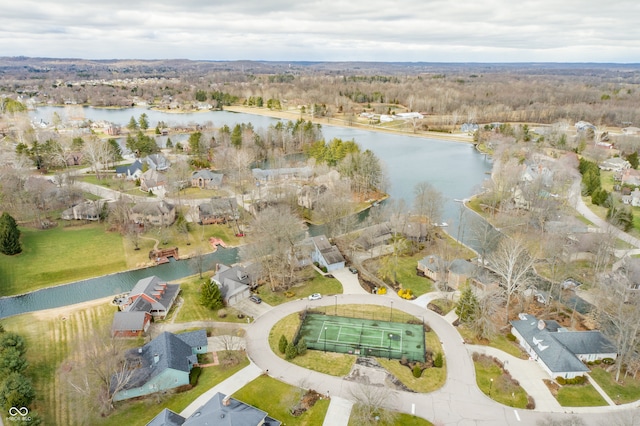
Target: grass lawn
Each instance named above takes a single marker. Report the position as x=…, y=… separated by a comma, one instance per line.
x=399, y=419
x=61, y=255
x=196, y=193
x=621, y=393
x=493, y=382
x=192, y=310
x=407, y=276
x=284, y=397
x=52, y=338
x=579, y=396
x=499, y=341
x=431, y=379
x=445, y=305
x=142, y=411
x=316, y=284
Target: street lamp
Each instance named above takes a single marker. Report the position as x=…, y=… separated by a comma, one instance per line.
x=325, y=341
x=336, y=311
x=391, y=312
x=490, y=384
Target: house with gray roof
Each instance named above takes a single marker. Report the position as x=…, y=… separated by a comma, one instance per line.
x=156, y=213
x=220, y=410
x=130, y=172
x=326, y=254
x=460, y=271
x=434, y=267
x=560, y=352
x=206, y=179
x=235, y=283
x=616, y=164
x=218, y=210
x=157, y=162
x=86, y=210
x=374, y=235
x=163, y=363
x=286, y=173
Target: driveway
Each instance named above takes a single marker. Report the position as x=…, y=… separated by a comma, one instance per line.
x=349, y=281
x=458, y=402
x=252, y=309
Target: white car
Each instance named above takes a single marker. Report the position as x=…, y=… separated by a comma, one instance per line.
x=315, y=296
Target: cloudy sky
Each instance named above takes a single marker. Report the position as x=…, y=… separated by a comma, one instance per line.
x=325, y=30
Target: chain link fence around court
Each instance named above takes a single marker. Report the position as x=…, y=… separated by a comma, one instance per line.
x=364, y=337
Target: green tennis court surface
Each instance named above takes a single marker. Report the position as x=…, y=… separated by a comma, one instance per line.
x=363, y=337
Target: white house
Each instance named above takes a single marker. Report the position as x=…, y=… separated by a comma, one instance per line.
x=560, y=352
x=326, y=254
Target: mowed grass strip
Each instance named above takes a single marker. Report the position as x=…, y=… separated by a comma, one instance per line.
x=317, y=283
x=399, y=419
x=53, y=340
x=622, y=393
x=579, y=396
x=277, y=398
x=60, y=255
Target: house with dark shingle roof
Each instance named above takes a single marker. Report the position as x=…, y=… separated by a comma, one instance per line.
x=157, y=162
x=218, y=210
x=433, y=267
x=131, y=172
x=163, y=363
x=220, y=410
x=157, y=213
x=560, y=352
x=326, y=254
x=150, y=297
x=235, y=283
x=206, y=179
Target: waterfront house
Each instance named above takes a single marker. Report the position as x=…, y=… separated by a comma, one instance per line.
x=156, y=213
x=163, y=363
x=326, y=254
x=235, y=283
x=218, y=210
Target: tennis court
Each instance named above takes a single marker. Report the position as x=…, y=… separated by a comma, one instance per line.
x=363, y=337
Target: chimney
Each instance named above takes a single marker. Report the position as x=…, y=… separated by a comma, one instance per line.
x=140, y=350
x=226, y=401
x=541, y=325
x=156, y=358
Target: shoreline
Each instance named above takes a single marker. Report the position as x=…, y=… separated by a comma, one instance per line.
x=338, y=122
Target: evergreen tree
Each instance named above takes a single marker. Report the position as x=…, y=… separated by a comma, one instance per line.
x=143, y=122
x=9, y=235
x=633, y=160
x=438, y=361
x=210, y=295
x=302, y=346
x=291, y=351
x=16, y=391
x=467, y=304
x=282, y=344
x=133, y=124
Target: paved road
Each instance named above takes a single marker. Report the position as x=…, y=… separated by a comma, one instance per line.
x=458, y=402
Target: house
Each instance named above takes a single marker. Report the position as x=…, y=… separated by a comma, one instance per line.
x=560, y=352
x=162, y=364
x=131, y=172
x=151, y=295
x=154, y=182
x=220, y=410
x=235, y=283
x=299, y=173
x=633, y=198
x=534, y=171
x=615, y=164
x=459, y=272
x=86, y=210
x=469, y=127
x=130, y=324
x=631, y=130
x=157, y=213
x=373, y=236
x=206, y=179
x=326, y=255
x=433, y=267
x=218, y=210
x=629, y=177
x=582, y=126
x=157, y=162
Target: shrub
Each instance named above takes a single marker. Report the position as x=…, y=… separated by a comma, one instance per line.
x=382, y=290
x=302, y=346
x=289, y=294
x=511, y=337
x=282, y=344
x=531, y=403
x=561, y=380
x=608, y=361
x=291, y=351
x=195, y=374
x=438, y=361
x=417, y=371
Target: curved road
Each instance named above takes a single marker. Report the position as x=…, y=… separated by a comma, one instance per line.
x=458, y=402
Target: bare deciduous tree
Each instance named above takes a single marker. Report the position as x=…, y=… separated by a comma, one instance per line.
x=369, y=404
x=513, y=263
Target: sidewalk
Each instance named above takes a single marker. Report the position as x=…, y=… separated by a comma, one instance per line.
x=338, y=412
x=227, y=387
x=528, y=373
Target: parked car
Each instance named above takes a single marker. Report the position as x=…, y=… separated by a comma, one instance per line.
x=315, y=296
x=353, y=270
x=255, y=299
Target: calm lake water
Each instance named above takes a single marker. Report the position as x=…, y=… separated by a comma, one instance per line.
x=455, y=169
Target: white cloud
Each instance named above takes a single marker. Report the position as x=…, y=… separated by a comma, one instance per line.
x=400, y=30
